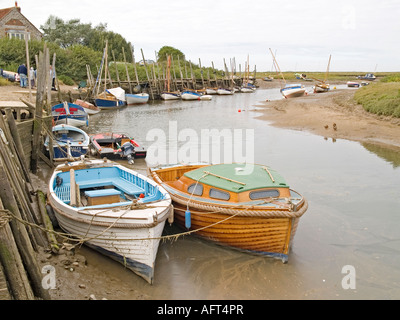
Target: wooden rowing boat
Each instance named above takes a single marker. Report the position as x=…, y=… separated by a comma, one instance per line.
x=112, y=209
x=246, y=207
x=69, y=143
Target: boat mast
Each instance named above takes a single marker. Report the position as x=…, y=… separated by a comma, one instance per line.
x=277, y=66
x=327, y=69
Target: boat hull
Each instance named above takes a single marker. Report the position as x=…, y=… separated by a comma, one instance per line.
x=190, y=96
x=70, y=114
x=89, y=108
x=140, y=98
x=138, y=256
x=270, y=237
x=211, y=91
x=293, y=92
x=109, y=104
x=351, y=84
x=225, y=91
x=321, y=88
x=170, y=96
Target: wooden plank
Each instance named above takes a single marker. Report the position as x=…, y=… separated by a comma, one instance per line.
x=4, y=293
x=13, y=104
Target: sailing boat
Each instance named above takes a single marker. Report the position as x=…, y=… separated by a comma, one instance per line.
x=247, y=86
x=109, y=98
x=290, y=90
x=168, y=95
x=323, y=86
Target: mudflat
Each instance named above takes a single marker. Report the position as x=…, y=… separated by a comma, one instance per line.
x=333, y=114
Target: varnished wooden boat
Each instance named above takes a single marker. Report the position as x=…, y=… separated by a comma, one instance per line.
x=247, y=207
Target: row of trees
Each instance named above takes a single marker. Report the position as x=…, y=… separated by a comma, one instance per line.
x=79, y=44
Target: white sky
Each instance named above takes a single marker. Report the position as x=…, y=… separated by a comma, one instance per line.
x=361, y=35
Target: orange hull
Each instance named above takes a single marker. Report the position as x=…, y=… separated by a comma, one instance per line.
x=266, y=227
x=260, y=235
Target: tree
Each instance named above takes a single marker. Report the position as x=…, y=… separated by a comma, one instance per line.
x=73, y=32
x=167, y=50
x=66, y=33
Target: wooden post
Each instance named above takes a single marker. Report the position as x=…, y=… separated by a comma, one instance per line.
x=18, y=145
x=201, y=73
x=28, y=64
x=12, y=262
x=174, y=75
x=134, y=66
x=116, y=68
x=147, y=74
x=41, y=85
x=21, y=236
x=127, y=73
x=180, y=71
x=41, y=198
x=215, y=74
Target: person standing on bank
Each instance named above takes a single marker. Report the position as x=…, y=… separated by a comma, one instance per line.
x=23, y=75
x=32, y=76
x=53, y=76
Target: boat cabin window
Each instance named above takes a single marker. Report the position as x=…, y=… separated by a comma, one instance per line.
x=195, y=189
x=218, y=194
x=255, y=195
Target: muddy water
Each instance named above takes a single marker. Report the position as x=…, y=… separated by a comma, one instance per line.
x=353, y=217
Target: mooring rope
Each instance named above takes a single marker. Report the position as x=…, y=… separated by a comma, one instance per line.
x=82, y=239
x=5, y=217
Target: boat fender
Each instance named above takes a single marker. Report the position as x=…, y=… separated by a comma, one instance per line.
x=188, y=219
x=171, y=215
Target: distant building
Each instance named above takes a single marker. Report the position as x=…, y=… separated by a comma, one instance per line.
x=141, y=62
x=13, y=24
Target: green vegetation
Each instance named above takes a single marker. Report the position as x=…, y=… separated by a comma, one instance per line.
x=391, y=78
x=4, y=82
x=71, y=33
x=380, y=98
x=70, y=62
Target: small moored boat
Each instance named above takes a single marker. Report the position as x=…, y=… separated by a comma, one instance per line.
x=353, y=84
x=293, y=90
x=69, y=142
x=190, y=95
x=368, y=76
x=111, y=99
x=243, y=206
x=170, y=95
x=113, y=210
x=89, y=107
x=211, y=90
x=116, y=146
x=136, y=98
x=321, y=87
x=225, y=91
x=70, y=113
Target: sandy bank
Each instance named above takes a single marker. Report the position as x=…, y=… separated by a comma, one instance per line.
x=317, y=113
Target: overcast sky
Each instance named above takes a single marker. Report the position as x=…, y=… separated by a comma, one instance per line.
x=361, y=35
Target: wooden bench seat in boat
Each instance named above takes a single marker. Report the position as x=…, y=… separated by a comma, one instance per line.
x=119, y=183
x=102, y=196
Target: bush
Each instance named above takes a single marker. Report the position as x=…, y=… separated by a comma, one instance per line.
x=66, y=80
x=4, y=82
x=380, y=98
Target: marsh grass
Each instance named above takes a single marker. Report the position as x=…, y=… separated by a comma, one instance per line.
x=4, y=82
x=380, y=98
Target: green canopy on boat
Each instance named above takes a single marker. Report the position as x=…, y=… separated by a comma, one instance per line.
x=238, y=177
